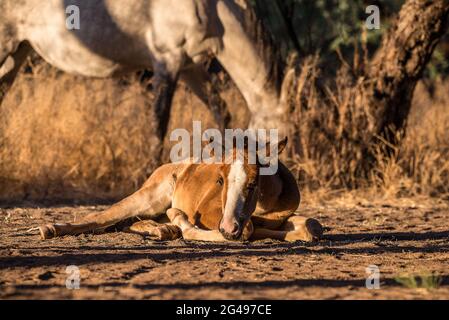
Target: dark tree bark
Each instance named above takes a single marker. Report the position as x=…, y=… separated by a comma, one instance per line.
x=398, y=65
x=290, y=29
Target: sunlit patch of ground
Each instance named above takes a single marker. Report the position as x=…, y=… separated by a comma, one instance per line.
x=407, y=240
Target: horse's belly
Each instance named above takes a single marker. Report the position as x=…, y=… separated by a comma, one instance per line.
x=91, y=67
x=73, y=58
x=108, y=40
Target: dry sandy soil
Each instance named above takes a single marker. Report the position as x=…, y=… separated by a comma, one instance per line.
x=401, y=239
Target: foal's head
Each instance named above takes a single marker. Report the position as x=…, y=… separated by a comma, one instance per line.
x=240, y=181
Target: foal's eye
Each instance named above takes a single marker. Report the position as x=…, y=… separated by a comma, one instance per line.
x=220, y=181
x=252, y=186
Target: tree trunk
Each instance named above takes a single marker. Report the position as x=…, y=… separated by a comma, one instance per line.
x=398, y=65
x=337, y=126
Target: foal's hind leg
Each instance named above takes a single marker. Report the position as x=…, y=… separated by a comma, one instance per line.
x=155, y=196
x=125, y=209
x=301, y=228
x=293, y=229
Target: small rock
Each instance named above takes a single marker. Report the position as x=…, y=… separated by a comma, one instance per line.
x=46, y=276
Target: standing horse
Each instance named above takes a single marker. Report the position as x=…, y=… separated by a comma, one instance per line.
x=171, y=37
x=208, y=202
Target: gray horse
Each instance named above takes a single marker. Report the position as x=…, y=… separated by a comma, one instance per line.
x=171, y=37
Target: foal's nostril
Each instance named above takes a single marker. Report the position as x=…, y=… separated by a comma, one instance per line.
x=235, y=229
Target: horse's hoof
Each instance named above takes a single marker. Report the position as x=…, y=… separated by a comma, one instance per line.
x=47, y=232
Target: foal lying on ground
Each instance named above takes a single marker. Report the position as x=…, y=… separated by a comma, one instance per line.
x=208, y=202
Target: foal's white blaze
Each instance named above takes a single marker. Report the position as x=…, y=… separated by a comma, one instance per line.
x=234, y=200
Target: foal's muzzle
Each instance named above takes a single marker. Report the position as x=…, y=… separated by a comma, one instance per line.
x=232, y=232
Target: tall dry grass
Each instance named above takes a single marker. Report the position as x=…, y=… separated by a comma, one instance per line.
x=424, y=155
x=327, y=154
x=64, y=137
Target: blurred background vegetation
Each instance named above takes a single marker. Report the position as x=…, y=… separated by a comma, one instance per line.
x=333, y=27
x=331, y=40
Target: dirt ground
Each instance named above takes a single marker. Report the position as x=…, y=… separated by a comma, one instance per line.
x=404, y=239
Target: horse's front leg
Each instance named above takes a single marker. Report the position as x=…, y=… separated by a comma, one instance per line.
x=199, y=81
x=302, y=228
x=155, y=230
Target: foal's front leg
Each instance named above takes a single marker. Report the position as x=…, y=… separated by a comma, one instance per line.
x=155, y=230
x=302, y=228
x=189, y=231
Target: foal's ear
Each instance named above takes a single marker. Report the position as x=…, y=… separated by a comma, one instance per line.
x=282, y=144
x=266, y=152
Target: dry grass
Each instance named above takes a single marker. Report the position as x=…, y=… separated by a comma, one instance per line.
x=427, y=281
x=69, y=138
x=327, y=129
x=72, y=138
x=328, y=152
x=424, y=155
x=63, y=137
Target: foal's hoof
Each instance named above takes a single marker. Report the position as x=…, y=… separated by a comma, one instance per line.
x=154, y=230
x=168, y=232
x=47, y=232
x=306, y=229
x=314, y=228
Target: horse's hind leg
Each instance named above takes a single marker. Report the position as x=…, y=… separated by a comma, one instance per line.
x=125, y=209
x=10, y=64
